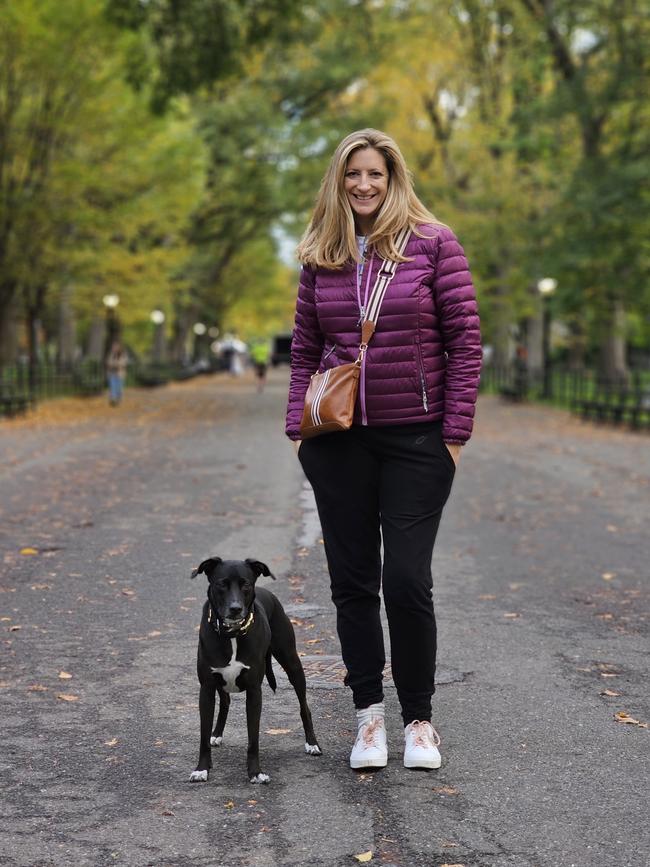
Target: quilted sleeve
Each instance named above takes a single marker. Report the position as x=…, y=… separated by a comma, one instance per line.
x=306, y=350
x=461, y=336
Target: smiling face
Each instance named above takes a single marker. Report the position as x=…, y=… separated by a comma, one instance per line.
x=366, y=186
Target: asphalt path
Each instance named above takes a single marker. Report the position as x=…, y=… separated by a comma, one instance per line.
x=541, y=584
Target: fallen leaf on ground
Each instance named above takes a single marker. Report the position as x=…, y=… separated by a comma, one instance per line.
x=452, y=865
x=624, y=717
x=512, y=614
x=609, y=692
x=111, y=743
x=445, y=790
x=14, y=628
x=485, y=596
x=127, y=592
x=28, y=551
x=607, y=576
x=64, y=675
x=229, y=805
x=167, y=813
x=37, y=687
x=364, y=857
x=66, y=696
x=278, y=731
x=314, y=640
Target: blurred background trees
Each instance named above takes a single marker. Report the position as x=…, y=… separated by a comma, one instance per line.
x=169, y=153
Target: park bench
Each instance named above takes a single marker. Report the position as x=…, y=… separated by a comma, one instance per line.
x=151, y=377
x=616, y=403
x=12, y=402
x=517, y=389
x=87, y=384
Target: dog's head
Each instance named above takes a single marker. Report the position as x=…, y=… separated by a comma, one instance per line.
x=231, y=588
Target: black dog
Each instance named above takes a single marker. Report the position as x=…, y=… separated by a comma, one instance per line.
x=241, y=629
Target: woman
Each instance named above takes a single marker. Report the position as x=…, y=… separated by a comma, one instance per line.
x=388, y=477
x=116, y=363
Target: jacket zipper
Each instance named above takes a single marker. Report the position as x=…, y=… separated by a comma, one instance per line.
x=423, y=384
x=362, y=313
x=327, y=354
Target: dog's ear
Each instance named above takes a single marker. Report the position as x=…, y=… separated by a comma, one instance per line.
x=259, y=568
x=206, y=567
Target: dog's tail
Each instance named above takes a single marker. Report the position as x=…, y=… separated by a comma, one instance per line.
x=269, y=672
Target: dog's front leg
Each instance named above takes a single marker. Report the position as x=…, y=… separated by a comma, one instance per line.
x=206, y=710
x=253, y=714
x=224, y=706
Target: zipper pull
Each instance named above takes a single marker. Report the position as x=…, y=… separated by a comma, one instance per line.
x=362, y=313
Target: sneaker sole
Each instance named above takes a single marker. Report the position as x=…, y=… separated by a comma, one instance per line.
x=359, y=764
x=423, y=766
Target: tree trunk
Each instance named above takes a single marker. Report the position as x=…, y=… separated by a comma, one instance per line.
x=534, y=332
x=9, y=323
x=96, y=336
x=613, y=365
x=66, y=350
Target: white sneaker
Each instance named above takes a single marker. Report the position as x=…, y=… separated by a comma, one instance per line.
x=421, y=742
x=370, y=749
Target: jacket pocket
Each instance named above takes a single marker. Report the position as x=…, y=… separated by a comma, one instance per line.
x=422, y=380
x=327, y=353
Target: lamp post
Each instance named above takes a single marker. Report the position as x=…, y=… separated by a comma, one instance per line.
x=199, y=330
x=158, y=352
x=546, y=287
x=112, y=326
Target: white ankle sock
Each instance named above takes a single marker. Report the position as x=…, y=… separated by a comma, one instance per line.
x=374, y=711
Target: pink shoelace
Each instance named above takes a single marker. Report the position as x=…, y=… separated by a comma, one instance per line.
x=424, y=734
x=369, y=730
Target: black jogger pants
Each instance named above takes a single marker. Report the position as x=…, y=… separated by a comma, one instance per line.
x=388, y=484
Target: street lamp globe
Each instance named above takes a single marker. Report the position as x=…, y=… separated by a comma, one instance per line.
x=547, y=285
x=111, y=301
x=157, y=317
x=199, y=329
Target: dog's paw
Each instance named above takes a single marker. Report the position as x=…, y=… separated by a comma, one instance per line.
x=216, y=742
x=260, y=778
x=313, y=750
x=199, y=777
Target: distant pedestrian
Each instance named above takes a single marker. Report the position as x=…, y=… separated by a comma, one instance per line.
x=388, y=478
x=260, y=353
x=116, y=363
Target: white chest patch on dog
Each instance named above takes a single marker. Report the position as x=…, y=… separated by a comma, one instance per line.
x=231, y=671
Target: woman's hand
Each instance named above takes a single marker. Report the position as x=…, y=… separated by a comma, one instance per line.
x=454, y=451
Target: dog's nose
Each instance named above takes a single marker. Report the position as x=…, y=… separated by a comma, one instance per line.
x=235, y=610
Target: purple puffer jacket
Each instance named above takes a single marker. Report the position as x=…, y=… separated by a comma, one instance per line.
x=424, y=360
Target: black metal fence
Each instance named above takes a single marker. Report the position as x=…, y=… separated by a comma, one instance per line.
x=24, y=385
x=621, y=400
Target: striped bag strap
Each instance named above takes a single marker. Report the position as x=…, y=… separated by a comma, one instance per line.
x=386, y=273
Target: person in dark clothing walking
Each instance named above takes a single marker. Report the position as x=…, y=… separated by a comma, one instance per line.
x=387, y=478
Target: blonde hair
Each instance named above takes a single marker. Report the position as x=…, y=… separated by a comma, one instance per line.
x=329, y=240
